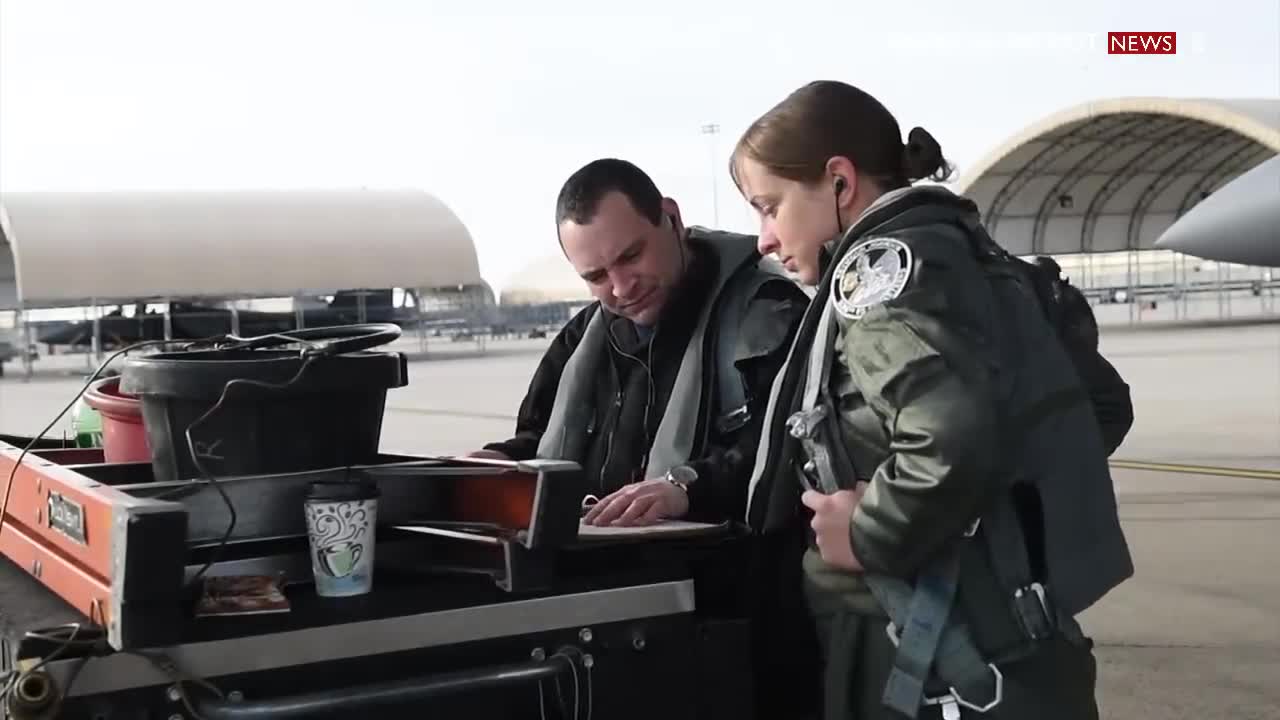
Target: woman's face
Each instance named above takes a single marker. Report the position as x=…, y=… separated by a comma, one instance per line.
x=795, y=218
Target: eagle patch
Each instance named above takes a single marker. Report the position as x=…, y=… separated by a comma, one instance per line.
x=870, y=274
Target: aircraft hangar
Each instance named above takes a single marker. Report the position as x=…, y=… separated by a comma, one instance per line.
x=1096, y=185
x=94, y=249
x=545, y=292
x=73, y=249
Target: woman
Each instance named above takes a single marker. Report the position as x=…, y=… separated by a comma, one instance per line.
x=930, y=412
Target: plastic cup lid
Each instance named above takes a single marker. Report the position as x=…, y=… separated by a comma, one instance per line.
x=340, y=490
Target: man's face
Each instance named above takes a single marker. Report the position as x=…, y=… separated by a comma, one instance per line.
x=631, y=265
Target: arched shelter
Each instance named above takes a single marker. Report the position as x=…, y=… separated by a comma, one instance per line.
x=72, y=249
x=1112, y=175
x=549, y=279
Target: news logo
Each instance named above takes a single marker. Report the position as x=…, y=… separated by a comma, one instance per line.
x=1142, y=43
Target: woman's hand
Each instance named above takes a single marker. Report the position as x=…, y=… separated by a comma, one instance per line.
x=831, y=516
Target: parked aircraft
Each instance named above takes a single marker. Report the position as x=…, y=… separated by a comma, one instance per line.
x=1240, y=223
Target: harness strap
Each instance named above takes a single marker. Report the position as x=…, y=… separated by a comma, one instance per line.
x=733, y=392
x=924, y=612
x=807, y=425
x=730, y=384
x=1007, y=543
x=929, y=638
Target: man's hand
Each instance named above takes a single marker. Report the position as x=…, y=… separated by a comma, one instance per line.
x=831, y=516
x=642, y=503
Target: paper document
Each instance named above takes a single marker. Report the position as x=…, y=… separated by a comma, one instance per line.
x=665, y=528
x=459, y=534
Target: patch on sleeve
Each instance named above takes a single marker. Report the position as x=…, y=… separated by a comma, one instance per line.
x=870, y=274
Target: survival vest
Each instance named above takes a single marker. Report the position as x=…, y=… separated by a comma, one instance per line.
x=1045, y=571
x=1068, y=313
x=740, y=273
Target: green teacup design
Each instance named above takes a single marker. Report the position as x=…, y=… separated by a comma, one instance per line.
x=340, y=559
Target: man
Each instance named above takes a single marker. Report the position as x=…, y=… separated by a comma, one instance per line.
x=657, y=389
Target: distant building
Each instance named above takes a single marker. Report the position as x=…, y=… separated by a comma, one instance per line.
x=545, y=293
x=549, y=279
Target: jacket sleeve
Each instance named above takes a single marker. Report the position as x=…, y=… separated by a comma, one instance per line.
x=535, y=410
x=922, y=362
x=724, y=467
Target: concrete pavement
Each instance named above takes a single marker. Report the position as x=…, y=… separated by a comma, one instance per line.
x=1195, y=634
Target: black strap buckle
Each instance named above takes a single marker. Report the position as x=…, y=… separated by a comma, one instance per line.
x=733, y=420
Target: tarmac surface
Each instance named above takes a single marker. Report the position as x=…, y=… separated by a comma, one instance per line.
x=1196, y=632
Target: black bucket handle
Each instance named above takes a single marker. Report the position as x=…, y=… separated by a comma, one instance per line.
x=332, y=340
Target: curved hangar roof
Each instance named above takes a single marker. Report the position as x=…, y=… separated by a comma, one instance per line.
x=61, y=249
x=1113, y=175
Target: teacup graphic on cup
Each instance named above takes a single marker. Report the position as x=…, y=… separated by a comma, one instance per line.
x=340, y=559
x=341, y=519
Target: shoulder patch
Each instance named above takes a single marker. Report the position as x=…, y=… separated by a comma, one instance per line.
x=871, y=273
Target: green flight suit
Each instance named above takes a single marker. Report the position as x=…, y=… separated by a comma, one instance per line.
x=917, y=345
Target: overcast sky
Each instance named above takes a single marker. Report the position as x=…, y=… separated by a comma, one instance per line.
x=491, y=109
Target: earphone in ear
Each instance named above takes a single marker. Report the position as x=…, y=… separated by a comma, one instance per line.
x=839, y=188
x=675, y=233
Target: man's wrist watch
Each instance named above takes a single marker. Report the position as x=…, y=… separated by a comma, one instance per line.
x=682, y=476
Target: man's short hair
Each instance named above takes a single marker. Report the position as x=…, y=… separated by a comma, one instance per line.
x=581, y=194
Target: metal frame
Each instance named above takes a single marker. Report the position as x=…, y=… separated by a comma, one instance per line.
x=118, y=555
x=1114, y=134
x=1171, y=127
x=1103, y=130
x=256, y=653
x=98, y=569
x=1225, y=169
x=1115, y=183
x=1211, y=141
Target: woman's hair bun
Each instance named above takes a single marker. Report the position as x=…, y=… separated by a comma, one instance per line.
x=922, y=157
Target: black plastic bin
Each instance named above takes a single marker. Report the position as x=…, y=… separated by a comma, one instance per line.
x=330, y=417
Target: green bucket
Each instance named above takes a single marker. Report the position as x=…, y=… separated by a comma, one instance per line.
x=86, y=425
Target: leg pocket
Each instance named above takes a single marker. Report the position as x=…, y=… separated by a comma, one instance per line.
x=1057, y=683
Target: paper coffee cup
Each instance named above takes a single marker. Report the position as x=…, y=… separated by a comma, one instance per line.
x=341, y=523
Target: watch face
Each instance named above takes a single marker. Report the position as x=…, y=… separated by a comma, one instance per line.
x=684, y=474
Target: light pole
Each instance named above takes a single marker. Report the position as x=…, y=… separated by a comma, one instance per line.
x=712, y=130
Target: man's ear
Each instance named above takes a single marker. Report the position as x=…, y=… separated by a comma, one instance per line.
x=672, y=211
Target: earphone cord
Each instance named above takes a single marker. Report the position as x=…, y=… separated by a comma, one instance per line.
x=839, y=185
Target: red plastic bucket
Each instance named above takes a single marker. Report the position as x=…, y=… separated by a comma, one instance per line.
x=124, y=437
